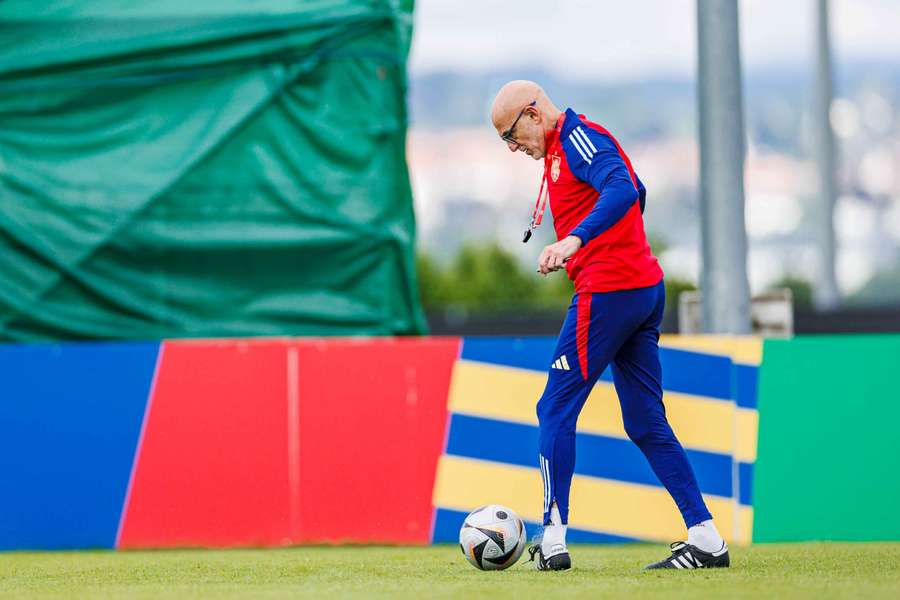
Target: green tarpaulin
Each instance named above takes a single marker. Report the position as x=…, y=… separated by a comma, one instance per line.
x=211, y=168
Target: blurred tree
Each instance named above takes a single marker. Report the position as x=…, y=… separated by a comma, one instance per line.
x=674, y=289
x=488, y=279
x=674, y=285
x=801, y=289
x=555, y=291
x=433, y=288
x=657, y=244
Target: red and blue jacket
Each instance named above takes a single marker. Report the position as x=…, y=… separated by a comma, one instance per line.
x=596, y=195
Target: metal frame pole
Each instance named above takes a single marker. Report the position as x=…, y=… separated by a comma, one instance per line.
x=724, y=283
x=825, y=289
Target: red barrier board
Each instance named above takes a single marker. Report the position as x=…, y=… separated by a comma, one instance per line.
x=270, y=442
x=212, y=467
x=373, y=418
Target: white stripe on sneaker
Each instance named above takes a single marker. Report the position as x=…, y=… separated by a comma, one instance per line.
x=676, y=563
x=685, y=562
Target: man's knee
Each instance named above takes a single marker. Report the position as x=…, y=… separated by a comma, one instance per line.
x=637, y=431
x=555, y=418
x=555, y=402
x=550, y=418
x=654, y=429
x=543, y=410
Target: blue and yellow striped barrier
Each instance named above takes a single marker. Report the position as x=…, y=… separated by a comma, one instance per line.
x=490, y=457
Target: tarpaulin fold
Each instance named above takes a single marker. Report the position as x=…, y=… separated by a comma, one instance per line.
x=175, y=169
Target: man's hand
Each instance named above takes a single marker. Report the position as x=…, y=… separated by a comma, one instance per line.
x=555, y=255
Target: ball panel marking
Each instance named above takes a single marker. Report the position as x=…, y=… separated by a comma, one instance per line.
x=478, y=552
x=494, y=534
x=492, y=538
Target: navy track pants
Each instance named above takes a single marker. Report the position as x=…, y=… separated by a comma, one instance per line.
x=621, y=330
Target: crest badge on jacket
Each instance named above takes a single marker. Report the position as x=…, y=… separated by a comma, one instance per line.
x=554, y=167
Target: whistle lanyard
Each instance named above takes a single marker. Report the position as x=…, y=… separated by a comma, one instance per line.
x=540, y=204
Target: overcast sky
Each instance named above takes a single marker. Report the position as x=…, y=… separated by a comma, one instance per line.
x=615, y=39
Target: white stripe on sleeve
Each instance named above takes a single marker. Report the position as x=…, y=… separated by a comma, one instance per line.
x=585, y=143
x=577, y=143
x=586, y=139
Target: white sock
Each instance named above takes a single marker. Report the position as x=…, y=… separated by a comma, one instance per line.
x=706, y=537
x=554, y=533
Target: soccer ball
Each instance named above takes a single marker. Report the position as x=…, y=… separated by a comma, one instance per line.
x=492, y=537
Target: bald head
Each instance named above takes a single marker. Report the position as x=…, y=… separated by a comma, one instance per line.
x=515, y=99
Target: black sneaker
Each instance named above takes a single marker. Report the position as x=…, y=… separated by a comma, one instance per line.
x=558, y=561
x=685, y=556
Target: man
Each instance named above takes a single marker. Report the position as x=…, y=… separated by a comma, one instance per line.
x=597, y=203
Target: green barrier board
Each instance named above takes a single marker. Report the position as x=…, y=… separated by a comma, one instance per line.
x=829, y=440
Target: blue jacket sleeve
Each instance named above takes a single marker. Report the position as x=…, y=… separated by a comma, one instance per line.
x=642, y=192
x=594, y=158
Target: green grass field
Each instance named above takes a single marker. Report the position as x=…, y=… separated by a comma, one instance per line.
x=770, y=571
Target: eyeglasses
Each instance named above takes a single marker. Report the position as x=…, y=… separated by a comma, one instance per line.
x=507, y=136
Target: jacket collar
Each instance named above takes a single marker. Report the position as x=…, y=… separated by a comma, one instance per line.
x=553, y=135
x=570, y=122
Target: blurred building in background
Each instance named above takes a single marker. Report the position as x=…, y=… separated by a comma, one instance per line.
x=638, y=80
